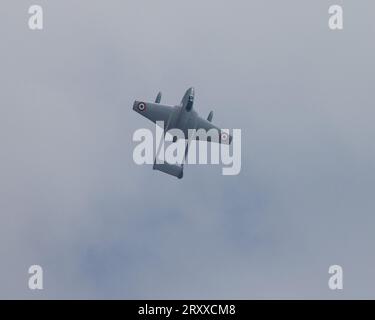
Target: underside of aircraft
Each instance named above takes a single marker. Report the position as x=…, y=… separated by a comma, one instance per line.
x=181, y=117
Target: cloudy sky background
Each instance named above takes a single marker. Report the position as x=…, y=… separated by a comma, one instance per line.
x=73, y=201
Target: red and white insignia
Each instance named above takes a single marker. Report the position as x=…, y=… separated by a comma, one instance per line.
x=141, y=106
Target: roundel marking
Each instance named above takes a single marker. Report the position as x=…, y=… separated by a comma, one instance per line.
x=141, y=106
x=224, y=136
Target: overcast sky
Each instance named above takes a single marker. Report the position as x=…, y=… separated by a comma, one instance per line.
x=73, y=201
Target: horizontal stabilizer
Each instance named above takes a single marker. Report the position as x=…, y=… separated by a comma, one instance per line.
x=172, y=169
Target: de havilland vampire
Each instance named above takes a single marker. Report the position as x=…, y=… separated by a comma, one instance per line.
x=181, y=117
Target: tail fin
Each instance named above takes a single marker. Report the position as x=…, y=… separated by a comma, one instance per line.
x=210, y=116
x=158, y=98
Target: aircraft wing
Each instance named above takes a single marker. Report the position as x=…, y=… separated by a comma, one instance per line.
x=153, y=111
x=221, y=137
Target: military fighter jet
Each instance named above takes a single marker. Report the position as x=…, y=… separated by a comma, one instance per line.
x=181, y=117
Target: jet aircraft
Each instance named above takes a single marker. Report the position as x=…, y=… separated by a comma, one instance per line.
x=181, y=117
